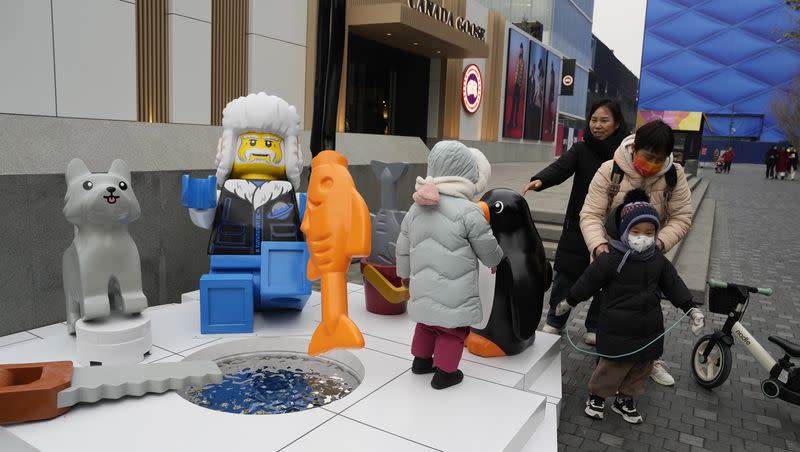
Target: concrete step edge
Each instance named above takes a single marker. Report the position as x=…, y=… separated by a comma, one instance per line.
x=694, y=261
x=697, y=199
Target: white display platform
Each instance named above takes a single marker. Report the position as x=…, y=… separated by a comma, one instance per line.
x=504, y=404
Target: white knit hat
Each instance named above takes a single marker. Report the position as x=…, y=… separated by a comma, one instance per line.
x=260, y=113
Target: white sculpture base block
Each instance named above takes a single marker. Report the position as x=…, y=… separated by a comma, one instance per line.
x=115, y=340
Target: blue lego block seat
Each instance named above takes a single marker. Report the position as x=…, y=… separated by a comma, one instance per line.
x=226, y=303
x=237, y=285
x=283, y=275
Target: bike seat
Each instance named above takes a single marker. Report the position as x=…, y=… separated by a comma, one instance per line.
x=790, y=348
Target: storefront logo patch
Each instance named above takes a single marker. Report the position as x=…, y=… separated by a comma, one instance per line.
x=472, y=88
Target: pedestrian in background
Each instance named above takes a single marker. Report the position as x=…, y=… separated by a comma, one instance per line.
x=728, y=159
x=791, y=154
x=783, y=164
x=772, y=161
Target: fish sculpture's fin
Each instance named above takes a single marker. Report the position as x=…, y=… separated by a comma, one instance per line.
x=342, y=334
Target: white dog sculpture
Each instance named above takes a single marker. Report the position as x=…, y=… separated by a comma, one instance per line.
x=101, y=269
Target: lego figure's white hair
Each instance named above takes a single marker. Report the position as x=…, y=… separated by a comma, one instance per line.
x=261, y=113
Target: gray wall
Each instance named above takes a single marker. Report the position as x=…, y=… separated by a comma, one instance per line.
x=34, y=152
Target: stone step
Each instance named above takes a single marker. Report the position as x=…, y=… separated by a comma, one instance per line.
x=550, y=249
x=542, y=217
x=549, y=223
x=698, y=194
x=547, y=217
x=549, y=232
x=693, y=261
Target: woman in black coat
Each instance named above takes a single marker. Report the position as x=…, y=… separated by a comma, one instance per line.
x=603, y=136
x=771, y=161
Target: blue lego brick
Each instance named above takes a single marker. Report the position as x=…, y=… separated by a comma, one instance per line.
x=283, y=275
x=247, y=263
x=226, y=303
x=199, y=193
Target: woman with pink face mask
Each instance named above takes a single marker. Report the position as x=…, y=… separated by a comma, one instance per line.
x=645, y=161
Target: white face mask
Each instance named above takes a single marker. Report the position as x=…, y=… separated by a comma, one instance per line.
x=640, y=243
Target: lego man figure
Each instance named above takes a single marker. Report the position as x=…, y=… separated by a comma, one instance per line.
x=257, y=250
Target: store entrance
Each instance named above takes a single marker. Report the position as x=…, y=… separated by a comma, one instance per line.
x=387, y=90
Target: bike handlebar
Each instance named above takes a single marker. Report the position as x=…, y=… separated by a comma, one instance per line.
x=713, y=283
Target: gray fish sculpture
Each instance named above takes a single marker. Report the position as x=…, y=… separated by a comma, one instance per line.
x=386, y=223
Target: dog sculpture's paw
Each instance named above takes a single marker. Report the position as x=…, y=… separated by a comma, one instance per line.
x=134, y=302
x=96, y=307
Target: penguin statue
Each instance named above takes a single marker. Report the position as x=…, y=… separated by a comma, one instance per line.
x=522, y=278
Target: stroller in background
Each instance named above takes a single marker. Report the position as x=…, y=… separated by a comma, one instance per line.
x=719, y=165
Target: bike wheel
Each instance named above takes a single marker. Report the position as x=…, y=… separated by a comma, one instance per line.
x=717, y=368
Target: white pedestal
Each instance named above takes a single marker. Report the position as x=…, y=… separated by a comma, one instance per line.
x=115, y=340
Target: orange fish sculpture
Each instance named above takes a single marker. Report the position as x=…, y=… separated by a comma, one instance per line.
x=337, y=228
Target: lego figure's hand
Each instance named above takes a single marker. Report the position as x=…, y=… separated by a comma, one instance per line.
x=199, y=193
x=563, y=308
x=698, y=321
x=406, y=283
x=202, y=218
x=200, y=196
x=493, y=269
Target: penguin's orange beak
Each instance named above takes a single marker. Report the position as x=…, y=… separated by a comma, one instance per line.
x=485, y=209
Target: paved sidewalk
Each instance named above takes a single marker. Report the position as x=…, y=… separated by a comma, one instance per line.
x=755, y=242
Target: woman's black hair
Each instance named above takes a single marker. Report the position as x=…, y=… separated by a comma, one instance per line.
x=657, y=136
x=615, y=110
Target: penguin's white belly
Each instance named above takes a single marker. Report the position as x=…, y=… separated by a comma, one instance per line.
x=486, y=281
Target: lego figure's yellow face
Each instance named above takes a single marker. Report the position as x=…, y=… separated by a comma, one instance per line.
x=259, y=157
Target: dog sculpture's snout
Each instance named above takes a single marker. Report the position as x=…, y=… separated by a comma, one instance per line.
x=111, y=189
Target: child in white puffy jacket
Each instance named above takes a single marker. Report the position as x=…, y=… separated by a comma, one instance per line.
x=442, y=235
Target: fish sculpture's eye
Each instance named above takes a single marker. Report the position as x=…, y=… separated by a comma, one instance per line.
x=498, y=207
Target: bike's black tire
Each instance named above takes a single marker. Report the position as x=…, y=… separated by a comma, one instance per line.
x=725, y=357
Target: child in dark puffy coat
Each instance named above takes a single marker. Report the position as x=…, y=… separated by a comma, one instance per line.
x=631, y=276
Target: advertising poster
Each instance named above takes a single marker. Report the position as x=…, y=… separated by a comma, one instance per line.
x=551, y=97
x=678, y=120
x=516, y=72
x=534, y=100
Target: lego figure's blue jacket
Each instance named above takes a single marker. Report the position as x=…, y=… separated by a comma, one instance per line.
x=253, y=211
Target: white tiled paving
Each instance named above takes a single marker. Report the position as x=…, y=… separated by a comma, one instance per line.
x=55, y=348
x=392, y=409
x=165, y=422
x=17, y=337
x=473, y=416
x=339, y=432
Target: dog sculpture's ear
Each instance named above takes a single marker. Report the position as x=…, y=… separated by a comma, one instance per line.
x=76, y=170
x=120, y=169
